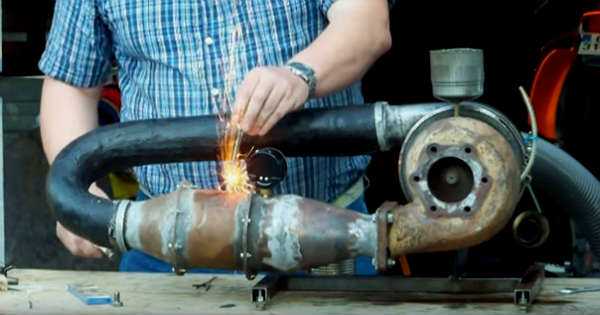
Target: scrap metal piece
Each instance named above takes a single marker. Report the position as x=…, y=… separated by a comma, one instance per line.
x=117, y=299
x=579, y=290
x=206, y=284
x=90, y=294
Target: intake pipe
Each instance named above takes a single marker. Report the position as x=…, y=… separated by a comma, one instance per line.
x=328, y=132
x=562, y=180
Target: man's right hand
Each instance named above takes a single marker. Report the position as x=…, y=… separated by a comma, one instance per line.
x=77, y=245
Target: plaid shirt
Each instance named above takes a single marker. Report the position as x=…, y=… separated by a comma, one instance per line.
x=174, y=58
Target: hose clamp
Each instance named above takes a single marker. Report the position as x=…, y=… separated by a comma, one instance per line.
x=120, y=221
x=176, y=245
x=245, y=254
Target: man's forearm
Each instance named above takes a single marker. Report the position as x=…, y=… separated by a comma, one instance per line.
x=66, y=112
x=357, y=35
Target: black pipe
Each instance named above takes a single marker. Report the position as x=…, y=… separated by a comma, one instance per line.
x=331, y=132
x=569, y=186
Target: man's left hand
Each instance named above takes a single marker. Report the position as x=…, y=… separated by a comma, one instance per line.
x=265, y=96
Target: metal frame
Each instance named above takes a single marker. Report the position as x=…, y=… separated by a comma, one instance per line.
x=524, y=290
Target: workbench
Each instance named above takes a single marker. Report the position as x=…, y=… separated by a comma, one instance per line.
x=44, y=292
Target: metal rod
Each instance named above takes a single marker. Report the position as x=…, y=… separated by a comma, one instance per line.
x=239, y=135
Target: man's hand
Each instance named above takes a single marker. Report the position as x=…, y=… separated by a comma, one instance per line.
x=265, y=96
x=77, y=245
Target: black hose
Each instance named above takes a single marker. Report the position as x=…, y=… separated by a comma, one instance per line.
x=569, y=186
x=331, y=132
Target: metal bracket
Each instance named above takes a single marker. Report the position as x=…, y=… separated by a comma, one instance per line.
x=245, y=254
x=523, y=290
x=384, y=218
x=530, y=286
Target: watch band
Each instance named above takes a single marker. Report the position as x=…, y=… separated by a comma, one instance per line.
x=306, y=73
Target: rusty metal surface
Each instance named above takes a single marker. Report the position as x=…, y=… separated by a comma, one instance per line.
x=201, y=224
x=416, y=230
x=197, y=228
x=385, y=218
x=451, y=180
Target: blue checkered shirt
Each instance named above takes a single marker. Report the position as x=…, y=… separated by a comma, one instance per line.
x=174, y=59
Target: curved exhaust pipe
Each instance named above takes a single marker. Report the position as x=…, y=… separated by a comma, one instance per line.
x=192, y=228
x=332, y=132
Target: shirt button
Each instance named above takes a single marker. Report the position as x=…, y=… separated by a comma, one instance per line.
x=215, y=92
x=209, y=41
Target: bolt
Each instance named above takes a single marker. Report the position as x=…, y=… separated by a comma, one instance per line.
x=117, y=299
x=390, y=217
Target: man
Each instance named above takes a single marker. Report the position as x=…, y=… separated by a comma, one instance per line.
x=174, y=58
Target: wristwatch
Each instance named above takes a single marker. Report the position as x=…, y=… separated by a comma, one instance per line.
x=306, y=73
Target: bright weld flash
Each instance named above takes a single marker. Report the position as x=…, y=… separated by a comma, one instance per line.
x=233, y=171
x=235, y=177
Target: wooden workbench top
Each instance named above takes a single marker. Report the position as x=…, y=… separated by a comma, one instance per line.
x=43, y=291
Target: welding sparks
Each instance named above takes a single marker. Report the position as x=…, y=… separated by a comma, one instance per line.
x=233, y=167
x=233, y=173
x=235, y=177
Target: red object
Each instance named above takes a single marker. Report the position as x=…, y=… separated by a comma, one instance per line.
x=547, y=87
x=590, y=22
x=551, y=75
x=112, y=95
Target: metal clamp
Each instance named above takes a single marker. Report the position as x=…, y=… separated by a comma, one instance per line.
x=384, y=218
x=176, y=244
x=118, y=234
x=245, y=254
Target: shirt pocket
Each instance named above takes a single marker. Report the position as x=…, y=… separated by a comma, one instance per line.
x=165, y=31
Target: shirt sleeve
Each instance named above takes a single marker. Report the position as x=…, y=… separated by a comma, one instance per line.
x=326, y=4
x=79, y=47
